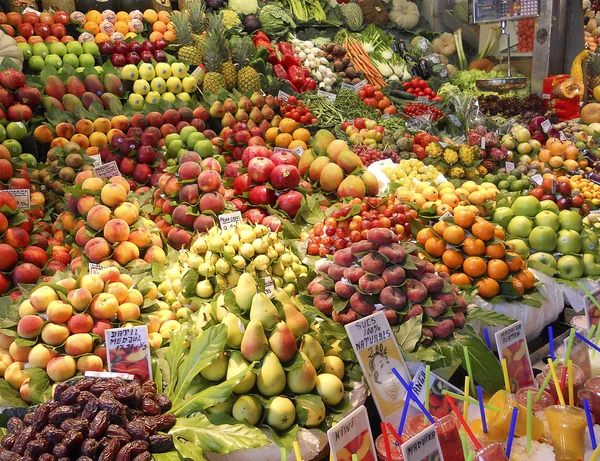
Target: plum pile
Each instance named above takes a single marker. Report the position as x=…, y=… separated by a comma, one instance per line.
x=381, y=274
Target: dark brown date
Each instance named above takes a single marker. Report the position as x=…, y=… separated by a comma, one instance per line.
x=161, y=443
x=84, y=397
x=163, y=402
x=69, y=396
x=8, y=441
x=136, y=430
x=101, y=386
x=60, y=450
x=47, y=457
x=23, y=439
x=150, y=407
x=75, y=424
x=73, y=439
x=133, y=413
x=84, y=384
x=9, y=456
x=27, y=457
x=125, y=394
x=64, y=459
x=15, y=426
x=117, y=432
x=89, y=447
x=37, y=447
x=60, y=414
x=110, y=451
x=84, y=458
x=145, y=456
x=149, y=386
x=59, y=389
x=111, y=405
x=99, y=425
x=131, y=450
x=40, y=416
x=91, y=409
x=53, y=434
x=28, y=419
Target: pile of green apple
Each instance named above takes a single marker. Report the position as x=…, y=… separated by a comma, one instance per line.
x=550, y=239
x=520, y=141
x=516, y=181
x=160, y=81
x=56, y=54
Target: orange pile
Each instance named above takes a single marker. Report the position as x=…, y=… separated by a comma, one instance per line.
x=472, y=251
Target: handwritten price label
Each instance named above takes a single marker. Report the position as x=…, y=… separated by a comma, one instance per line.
x=108, y=170
x=510, y=166
x=283, y=95
x=538, y=179
x=22, y=197
x=546, y=126
x=97, y=160
x=269, y=286
x=230, y=220
x=422, y=99
x=331, y=97
x=94, y=269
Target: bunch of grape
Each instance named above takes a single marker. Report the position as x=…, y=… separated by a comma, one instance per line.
x=351, y=221
x=408, y=172
x=370, y=155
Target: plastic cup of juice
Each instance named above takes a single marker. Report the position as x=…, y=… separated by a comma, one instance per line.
x=488, y=437
x=395, y=451
x=591, y=391
x=567, y=427
x=578, y=379
x=546, y=399
x=493, y=452
x=500, y=421
x=447, y=431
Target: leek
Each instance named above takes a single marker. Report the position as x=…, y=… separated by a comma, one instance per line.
x=462, y=59
x=490, y=43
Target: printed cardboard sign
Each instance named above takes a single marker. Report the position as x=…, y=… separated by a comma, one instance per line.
x=128, y=351
x=378, y=352
x=230, y=220
x=423, y=446
x=22, y=197
x=538, y=179
x=509, y=167
x=512, y=346
x=352, y=436
x=108, y=170
x=97, y=160
x=283, y=95
x=438, y=406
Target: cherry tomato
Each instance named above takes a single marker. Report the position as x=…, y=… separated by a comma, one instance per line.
x=406, y=84
x=428, y=91
x=415, y=82
x=410, y=90
x=369, y=90
x=420, y=93
x=296, y=116
x=292, y=100
x=379, y=95
x=362, y=94
x=423, y=84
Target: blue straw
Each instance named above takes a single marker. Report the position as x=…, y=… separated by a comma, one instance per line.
x=587, y=341
x=486, y=333
x=511, y=431
x=405, y=411
x=551, y=342
x=588, y=414
x=410, y=394
x=482, y=409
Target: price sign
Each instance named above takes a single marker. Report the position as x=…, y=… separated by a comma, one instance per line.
x=108, y=375
x=483, y=142
x=359, y=85
x=128, y=351
x=352, y=436
x=331, y=97
x=538, y=179
x=22, y=197
x=97, y=160
x=108, y=170
x=422, y=99
x=454, y=119
x=446, y=215
x=385, y=116
x=269, y=286
x=424, y=445
x=378, y=353
x=31, y=10
x=509, y=166
x=546, y=126
x=230, y=220
x=562, y=136
x=296, y=150
x=94, y=269
x=197, y=73
x=349, y=86
x=461, y=139
x=512, y=346
x=580, y=355
x=588, y=299
x=283, y=95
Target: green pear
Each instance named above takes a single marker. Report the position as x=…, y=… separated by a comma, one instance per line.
x=264, y=310
x=313, y=350
x=297, y=323
x=221, y=309
x=315, y=411
x=236, y=365
x=222, y=408
x=217, y=370
x=245, y=291
x=281, y=414
x=282, y=342
x=271, y=377
x=301, y=380
x=203, y=318
x=589, y=241
x=254, y=343
x=590, y=265
x=334, y=365
x=247, y=409
x=330, y=388
x=234, y=331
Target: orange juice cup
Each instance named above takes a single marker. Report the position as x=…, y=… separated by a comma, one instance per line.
x=567, y=427
x=499, y=422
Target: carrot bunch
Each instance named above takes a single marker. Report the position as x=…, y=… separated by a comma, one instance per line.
x=362, y=62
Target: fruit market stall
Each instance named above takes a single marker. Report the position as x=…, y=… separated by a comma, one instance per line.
x=255, y=230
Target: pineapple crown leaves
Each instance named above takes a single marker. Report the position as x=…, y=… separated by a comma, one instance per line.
x=243, y=50
x=216, y=48
x=196, y=15
x=183, y=29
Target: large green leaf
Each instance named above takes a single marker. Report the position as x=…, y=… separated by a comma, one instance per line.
x=408, y=334
x=220, y=439
x=169, y=456
x=10, y=397
x=285, y=438
x=188, y=450
x=489, y=318
x=173, y=356
x=40, y=388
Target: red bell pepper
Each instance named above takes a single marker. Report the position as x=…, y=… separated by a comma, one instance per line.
x=261, y=37
x=289, y=60
x=309, y=85
x=296, y=76
x=280, y=72
x=286, y=48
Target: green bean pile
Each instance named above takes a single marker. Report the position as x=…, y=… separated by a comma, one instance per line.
x=323, y=110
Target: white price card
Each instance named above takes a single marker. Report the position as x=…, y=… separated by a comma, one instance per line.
x=422, y=99
x=483, y=142
x=562, y=136
x=331, y=97
x=446, y=215
x=512, y=346
x=230, y=220
x=197, y=73
x=423, y=446
x=94, y=269
x=537, y=179
x=107, y=170
x=352, y=436
x=296, y=150
x=509, y=166
x=454, y=119
x=348, y=86
x=128, y=351
x=22, y=197
x=269, y=286
x=108, y=375
x=546, y=126
x=386, y=115
x=437, y=402
x=97, y=160
x=359, y=85
x=283, y=95
x=378, y=353
x=580, y=354
x=31, y=10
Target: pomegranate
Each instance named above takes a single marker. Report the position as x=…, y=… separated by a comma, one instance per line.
x=290, y=202
x=284, y=176
x=259, y=169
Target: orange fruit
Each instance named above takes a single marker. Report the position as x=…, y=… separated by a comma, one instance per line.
x=545, y=155
x=497, y=269
x=301, y=134
x=435, y=246
x=424, y=234
x=271, y=134
x=487, y=288
x=123, y=16
x=473, y=246
x=170, y=36
x=101, y=37
x=440, y=227
x=288, y=125
x=94, y=16
x=150, y=16
x=499, y=233
x=164, y=17
x=297, y=143
x=497, y=250
x=454, y=235
x=121, y=27
x=283, y=140
x=159, y=26
x=527, y=278
x=483, y=229
x=474, y=266
x=519, y=286
x=464, y=218
x=460, y=279
x=571, y=152
x=91, y=27
x=441, y=268
x=452, y=258
x=513, y=261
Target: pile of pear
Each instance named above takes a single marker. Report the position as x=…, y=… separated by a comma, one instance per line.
x=284, y=357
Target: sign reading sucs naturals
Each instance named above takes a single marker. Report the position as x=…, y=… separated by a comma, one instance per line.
x=128, y=351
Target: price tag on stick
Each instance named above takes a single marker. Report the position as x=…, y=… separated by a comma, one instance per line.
x=230, y=220
x=512, y=346
x=424, y=445
x=128, y=351
x=22, y=197
x=107, y=170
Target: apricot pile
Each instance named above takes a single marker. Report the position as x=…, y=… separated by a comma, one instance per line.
x=472, y=251
x=379, y=273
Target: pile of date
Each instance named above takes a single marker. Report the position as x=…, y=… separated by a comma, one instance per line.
x=94, y=419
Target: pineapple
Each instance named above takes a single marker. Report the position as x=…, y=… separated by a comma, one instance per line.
x=196, y=16
x=593, y=71
x=188, y=51
x=247, y=78
x=229, y=74
x=216, y=53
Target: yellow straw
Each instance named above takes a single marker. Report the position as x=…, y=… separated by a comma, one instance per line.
x=596, y=454
x=556, y=382
x=570, y=382
x=466, y=403
x=297, y=450
x=331, y=452
x=506, y=378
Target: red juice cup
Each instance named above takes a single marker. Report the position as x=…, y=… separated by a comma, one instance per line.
x=591, y=391
x=578, y=379
x=447, y=431
x=493, y=452
x=546, y=399
x=395, y=451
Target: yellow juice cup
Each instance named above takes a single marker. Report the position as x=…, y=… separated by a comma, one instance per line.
x=499, y=422
x=486, y=439
x=567, y=427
